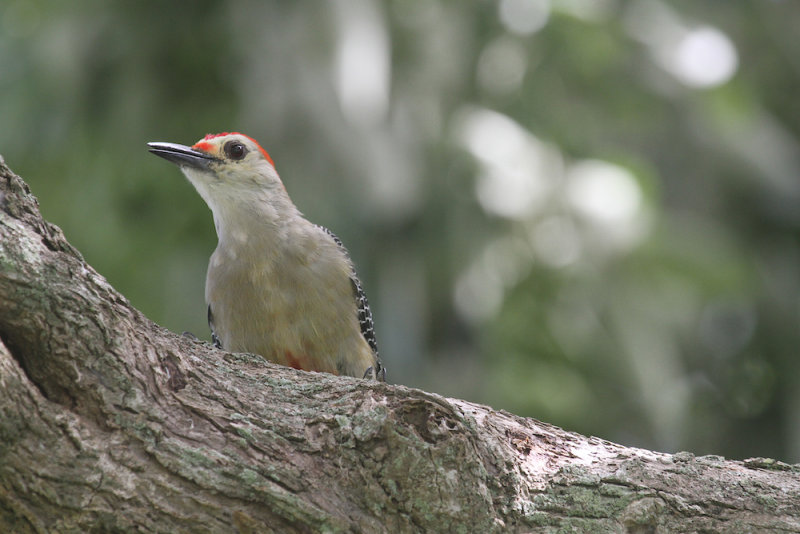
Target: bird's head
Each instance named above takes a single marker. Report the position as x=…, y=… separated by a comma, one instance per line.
x=227, y=169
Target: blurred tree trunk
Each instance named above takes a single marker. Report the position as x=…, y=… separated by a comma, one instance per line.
x=110, y=423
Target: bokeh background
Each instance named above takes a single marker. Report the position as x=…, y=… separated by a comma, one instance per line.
x=584, y=211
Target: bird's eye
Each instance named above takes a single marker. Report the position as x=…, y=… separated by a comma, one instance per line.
x=235, y=150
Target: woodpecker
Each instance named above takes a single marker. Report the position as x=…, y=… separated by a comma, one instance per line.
x=277, y=284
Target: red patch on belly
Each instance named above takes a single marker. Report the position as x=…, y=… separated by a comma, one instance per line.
x=302, y=362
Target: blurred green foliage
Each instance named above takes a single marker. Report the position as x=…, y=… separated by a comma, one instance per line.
x=584, y=211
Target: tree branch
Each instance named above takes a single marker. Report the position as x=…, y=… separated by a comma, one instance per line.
x=109, y=422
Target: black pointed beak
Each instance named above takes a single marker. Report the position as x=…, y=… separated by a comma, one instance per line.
x=181, y=155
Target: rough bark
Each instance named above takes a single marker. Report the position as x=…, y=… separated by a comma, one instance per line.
x=109, y=423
